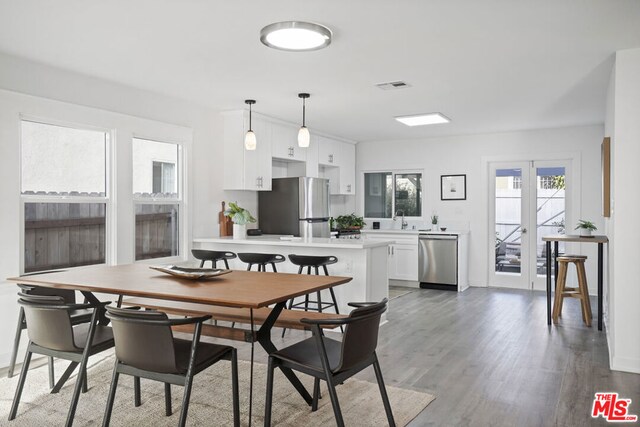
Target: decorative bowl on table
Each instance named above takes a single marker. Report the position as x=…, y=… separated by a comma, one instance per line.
x=190, y=272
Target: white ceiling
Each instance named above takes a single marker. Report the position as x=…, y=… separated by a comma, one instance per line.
x=488, y=65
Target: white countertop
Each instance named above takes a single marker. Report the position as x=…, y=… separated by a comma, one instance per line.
x=316, y=242
x=415, y=232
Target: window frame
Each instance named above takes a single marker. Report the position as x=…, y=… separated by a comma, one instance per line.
x=179, y=200
x=393, y=173
x=109, y=241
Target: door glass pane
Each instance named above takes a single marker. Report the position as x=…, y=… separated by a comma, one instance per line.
x=378, y=193
x=156, y=230
x=409, y=193
x=59, y=160
x=508, y=203
x=550, y=207
x=62, y=235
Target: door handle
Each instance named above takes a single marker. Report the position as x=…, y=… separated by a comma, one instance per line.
x=524, y=230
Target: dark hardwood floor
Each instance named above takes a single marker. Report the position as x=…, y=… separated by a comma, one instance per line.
x=491, y=360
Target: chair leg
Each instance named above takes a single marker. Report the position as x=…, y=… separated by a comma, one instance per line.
x=226, y=264
x=335, y=304
x=326, y=272
x=16, y=342
x=201, y=263
x=111, y=397
x=300, y=270
x=383, y=393
x=185, y=400
x=137, y=401
x=167, y=399
x=319, y=298
x=249, y=267
x=52, y=379
x=235, y=388
x=268, y=400
x=584, y=293
x=334, y=402
x=23, y=377
x=562, y=275
x=316, y=394
x=273, y=265
x=306, y=302
x=85, y=383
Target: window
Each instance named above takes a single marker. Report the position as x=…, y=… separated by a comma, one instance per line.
x=547, y=182
x=63, y=187
x=387, y=192
x=409, y=193
x=164, y=177
x=157, y=198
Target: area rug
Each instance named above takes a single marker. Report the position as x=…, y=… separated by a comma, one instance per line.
x=397, y=292
x=211, y=402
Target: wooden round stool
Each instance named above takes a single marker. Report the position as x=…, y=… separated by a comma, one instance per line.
x=562, y=290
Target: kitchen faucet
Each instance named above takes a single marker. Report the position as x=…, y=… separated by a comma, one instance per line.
x=404, y=223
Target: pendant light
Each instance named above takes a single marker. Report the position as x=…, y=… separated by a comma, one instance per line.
x=250, y=141
x=304, y=136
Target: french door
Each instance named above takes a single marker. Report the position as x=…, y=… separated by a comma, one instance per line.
x=528, y=200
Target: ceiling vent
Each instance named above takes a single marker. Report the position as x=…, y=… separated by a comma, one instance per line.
x=393, y=85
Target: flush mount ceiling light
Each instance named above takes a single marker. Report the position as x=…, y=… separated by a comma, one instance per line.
x=304, y=137
x=423, y=119
x=250, y=141
x=295, y=36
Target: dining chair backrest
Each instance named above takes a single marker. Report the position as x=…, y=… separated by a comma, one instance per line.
x=68, y=295
x=143, y=339
x=361, y=334
x=48, y=321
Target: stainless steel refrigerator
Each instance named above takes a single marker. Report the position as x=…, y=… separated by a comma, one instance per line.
x=295, y=206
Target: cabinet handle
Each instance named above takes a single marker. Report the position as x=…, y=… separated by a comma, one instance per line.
x=293, y=151
x=330, y=158
x=348, y=188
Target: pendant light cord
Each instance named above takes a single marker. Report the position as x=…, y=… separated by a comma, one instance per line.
x=304, y=111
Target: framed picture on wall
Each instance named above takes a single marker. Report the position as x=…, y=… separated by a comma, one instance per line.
x=453, y=187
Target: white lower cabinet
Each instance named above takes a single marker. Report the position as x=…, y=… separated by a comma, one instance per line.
x=402, y=255
x=403, y=262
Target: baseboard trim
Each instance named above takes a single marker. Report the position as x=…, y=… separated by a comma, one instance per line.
x=625, y=365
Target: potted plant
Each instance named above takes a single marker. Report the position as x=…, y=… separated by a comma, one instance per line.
x=240, y=217
x=586, y=227
x=349, y=222
x=434, y=222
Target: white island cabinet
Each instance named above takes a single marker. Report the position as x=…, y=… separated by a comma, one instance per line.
x=363, y=260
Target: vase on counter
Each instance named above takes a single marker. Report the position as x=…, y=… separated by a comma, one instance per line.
x=239, y=231
x=585, y=232
x=434, y=227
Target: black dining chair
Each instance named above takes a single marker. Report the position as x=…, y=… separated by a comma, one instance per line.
x=77, y=317
x=334, y=361
x=146, y=348
x=51, y=333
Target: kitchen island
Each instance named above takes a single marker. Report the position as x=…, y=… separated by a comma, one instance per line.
x=363, y=260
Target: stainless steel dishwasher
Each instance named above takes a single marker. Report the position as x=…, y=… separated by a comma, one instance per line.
x=438, y=261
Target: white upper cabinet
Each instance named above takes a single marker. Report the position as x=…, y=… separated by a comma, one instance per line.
x=328, y=151
x=347, y=167
x=246, y=170
x=285, y=143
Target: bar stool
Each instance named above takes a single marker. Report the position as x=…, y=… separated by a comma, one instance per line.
x=261, y=260
x=315, y=262
x=581, y=292
x=214, y=256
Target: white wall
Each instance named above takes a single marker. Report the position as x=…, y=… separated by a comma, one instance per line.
x=204, y=176
x=468, y=154
x=623, y=111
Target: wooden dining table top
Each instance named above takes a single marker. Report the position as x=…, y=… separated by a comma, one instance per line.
x=576, y=238
x=248, y=289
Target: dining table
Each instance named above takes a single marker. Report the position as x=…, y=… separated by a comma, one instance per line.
x=600, y=240
x=239, y=289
